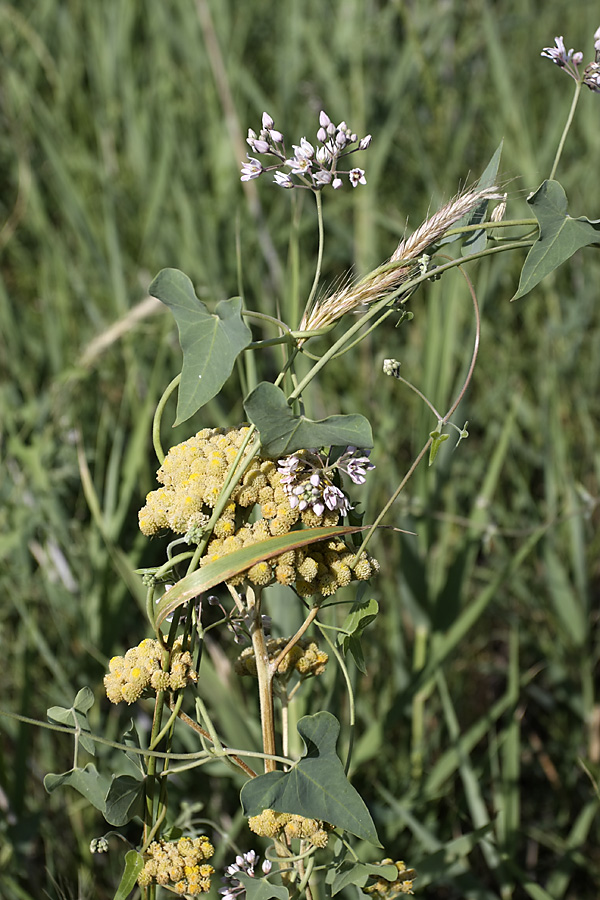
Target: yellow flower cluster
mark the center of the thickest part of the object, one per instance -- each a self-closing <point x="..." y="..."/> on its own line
<point x="285" y="825"/>
<point x="388" y="890"/>
<point x="180" y="864"/>
<point x="193" y="474"/>
<point x="304" y="658"/>
<point x="141" y="669"/>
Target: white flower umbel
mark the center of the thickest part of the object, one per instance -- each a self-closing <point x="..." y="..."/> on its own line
<point x="233" y="887"/>
<point x="310" y="166"/>
<point x="307" y="479"/>
<point x="570" y="60"/>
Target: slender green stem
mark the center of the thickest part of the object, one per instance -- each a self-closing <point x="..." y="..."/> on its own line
<point x="351" y="701"/>
<point x="160" y="455"/>
<point x="392" y="499"/>
<point x="405" y="288"/>
<point x="171" y="720"/>
<point x="151" y="767"/>
<point x="317" y="277"/>
<point x="566" y="129"/>
<point x="294" y="640"/>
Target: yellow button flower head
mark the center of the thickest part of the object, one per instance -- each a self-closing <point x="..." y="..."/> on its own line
<point x="141" y="670"/>
<point x="272" y="499"/>
<point x="389" y="890"/>
<point x="276" y="825"/>
<point x="179" y="864"/>
<point x="305" y="658"/>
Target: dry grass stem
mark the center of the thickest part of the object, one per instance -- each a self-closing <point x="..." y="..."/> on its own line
<point x="382" y="281"/>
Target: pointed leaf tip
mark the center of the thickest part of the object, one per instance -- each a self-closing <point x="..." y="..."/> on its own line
<point x="211" y="342"/>
<point x="282" y="432"/>
<point x="316" y="787"/>
<point x="560" y="236"/>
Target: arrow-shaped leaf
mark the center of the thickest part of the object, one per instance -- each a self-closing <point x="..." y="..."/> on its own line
<point x="282" y="432"/>
<point x="560" y="235"/>
<point x="210" y="342"/>
<point x="124" y="800"/>
<point x="316" y="787"/>
<point x="220" y="570"/>
<point x="261" y="888"/>
<point x="352" y="872"/>
<point x="87" y="781"/>
<point x="76" y="717"/>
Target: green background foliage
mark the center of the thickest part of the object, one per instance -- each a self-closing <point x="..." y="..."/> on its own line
<point x="121" y="132"/>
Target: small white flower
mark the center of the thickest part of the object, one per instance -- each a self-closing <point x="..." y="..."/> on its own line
<point x="299" y="164"/>
<point x="258" y="145"/>
<point x="336" y="183"/>
<point x="324" y="119"/>
<point x="557" y="54"/>
<point x="391" y="367"/>
<point x="357" y="176"/>
<point x="591" y="77"/>
<point x="336" y="499"/>
<point x="283" y="180"/>
<point x="322" y="177"/>
<point x="251" y="169"/>
<point x="267" y="121"/>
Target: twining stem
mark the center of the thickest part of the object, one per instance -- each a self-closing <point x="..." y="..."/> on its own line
<point x="265" y="677"/>
<point x="566" y="129"/>
<point x="349" y="690"/>
<point x="158" y="449"/>
<point x="294" y="640"/>
<point x="393" y="498"/>
<point x="151" y="766"/>
<point x="443" y="420"/>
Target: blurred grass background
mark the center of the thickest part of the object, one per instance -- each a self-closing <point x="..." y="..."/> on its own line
<point x="122" y="127"/>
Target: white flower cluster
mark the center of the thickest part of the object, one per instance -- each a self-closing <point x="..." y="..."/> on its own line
<point x="309" y="167"/>
<point x="569" y="60"/>
<point x="307" y="479"/>
<point x="246" y="863"/>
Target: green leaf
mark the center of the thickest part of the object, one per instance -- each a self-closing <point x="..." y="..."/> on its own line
<point x="76" y="717"/>
<point x="210" y="342"/>
<point x="361" y="615"/>
<point x="560" y="235"/>
<point x="124" y="800"/>
<point x="261" y="888"/>
<point x="351" y="872"/>
<point x="437" y="440"/>
<point x="475" y="241"/>
<point x="220" y="570"/>
<point x="87" y="781"/>
<point x="282" y="432"/>
<point x="132" y="739"/>
<point x="134" y="863"/>
<point x="316" y="787"/>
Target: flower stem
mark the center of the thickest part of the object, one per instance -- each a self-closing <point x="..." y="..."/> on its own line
<point x="160" y="455"/>
<point x="566" y="129"/>
<point x="317" y="277"/>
